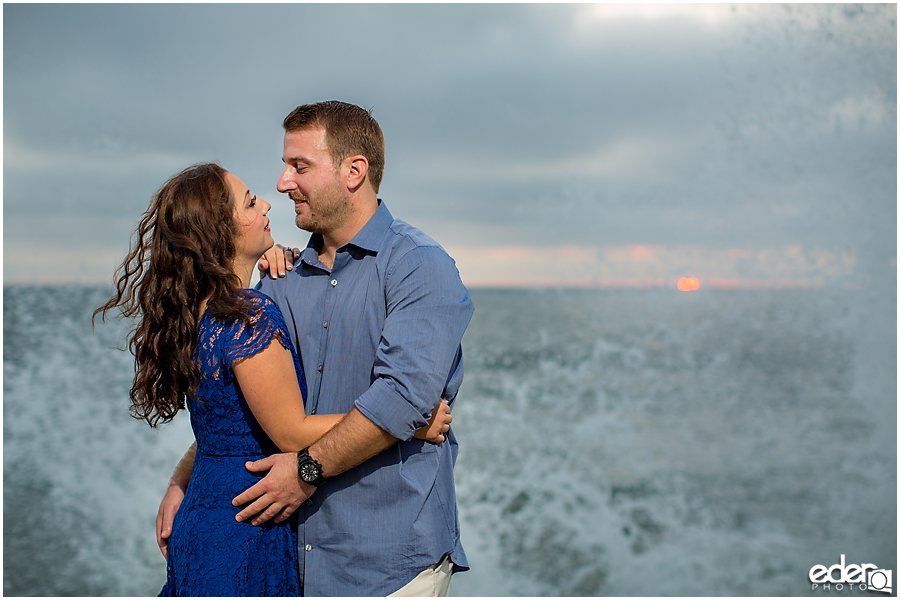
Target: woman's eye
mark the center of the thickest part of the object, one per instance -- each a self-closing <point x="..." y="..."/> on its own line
<point x="253" y="201"/>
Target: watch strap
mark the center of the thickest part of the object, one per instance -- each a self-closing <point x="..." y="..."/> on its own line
<point x="308" y="469"/>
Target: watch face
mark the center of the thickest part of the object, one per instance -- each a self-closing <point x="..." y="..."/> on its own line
<point x="309" y="472"/>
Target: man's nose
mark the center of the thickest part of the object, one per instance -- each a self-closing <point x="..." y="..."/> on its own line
<point x="285" y="184"/>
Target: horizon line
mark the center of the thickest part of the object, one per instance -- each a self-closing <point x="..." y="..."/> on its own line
<point x="719" y="284"/>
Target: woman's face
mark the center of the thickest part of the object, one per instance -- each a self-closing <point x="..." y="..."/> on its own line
<point x="250" y="212"/>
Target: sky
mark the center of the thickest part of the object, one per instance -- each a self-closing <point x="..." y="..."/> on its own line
<point x="577" y="145"/>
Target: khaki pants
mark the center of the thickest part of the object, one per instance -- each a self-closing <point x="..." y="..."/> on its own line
<point x="430" y="583"/>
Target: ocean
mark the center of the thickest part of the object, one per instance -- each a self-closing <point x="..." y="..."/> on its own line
<point x="612" y="442"/>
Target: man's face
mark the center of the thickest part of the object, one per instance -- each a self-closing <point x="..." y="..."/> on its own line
<point x="312" y="182"/>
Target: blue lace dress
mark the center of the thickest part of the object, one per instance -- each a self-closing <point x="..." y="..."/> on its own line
<point x="211" y="554"/>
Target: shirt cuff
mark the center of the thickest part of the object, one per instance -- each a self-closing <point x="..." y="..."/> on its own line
<point x="385" y="407"/>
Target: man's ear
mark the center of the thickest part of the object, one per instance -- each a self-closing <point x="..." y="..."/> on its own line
<point x="357" y="167"/>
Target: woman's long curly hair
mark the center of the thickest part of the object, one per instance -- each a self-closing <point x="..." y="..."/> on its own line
<point x="182" y="253"/>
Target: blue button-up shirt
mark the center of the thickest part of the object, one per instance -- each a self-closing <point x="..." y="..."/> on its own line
<point x="381" y="331"/>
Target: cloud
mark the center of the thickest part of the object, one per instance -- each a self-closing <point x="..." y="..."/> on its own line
<point x="627" y="158"/>
<point x="109" y="159"/>
<point x="581" y="126"/>
<point x="706" y="14"/>
<point x="649" y="266"/>
<point x="864" y="111"/>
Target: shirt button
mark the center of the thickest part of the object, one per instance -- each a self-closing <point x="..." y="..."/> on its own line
<point x="308" y="547"/>
<point x="325" y="324"/>
<point x="319" y="369"/>
<point x="333" y="282"/>
<point x="309" y="502"/>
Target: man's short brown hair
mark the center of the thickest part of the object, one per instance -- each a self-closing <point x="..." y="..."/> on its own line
<point x="349" y="130"/>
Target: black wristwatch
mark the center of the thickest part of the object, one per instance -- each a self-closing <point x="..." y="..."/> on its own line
<point x="308" y="469"/>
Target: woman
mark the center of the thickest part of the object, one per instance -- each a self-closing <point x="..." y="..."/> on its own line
<point x="203" y="337"/>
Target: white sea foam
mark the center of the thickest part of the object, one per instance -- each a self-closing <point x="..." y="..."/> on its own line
<point x="612" y="443"/>
<point x="650" y="443"/>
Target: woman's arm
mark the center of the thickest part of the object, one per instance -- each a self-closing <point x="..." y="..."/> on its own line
<point x="269" y="383"/>
<point x="276" y="260"/>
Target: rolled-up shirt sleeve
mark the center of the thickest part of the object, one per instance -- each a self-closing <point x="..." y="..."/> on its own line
<point x="427" y="311"/>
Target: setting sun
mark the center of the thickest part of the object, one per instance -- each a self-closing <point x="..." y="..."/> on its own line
<point x="688" y="284"/>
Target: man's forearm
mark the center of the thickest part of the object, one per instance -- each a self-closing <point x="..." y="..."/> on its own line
<point x="182" y="475"/>
<point x="351" y="442"/>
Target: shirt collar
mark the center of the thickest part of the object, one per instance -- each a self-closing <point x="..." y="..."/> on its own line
<point x="371" y="235"/>
<point x="368" y="238"/>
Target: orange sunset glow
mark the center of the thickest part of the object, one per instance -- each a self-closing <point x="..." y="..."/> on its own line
<point x="688" y="284"/>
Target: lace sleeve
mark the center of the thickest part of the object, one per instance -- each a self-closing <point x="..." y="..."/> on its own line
<point x="266" y="323"/>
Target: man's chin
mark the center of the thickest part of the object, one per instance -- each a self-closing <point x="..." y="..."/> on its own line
<point x="305" y="225"/>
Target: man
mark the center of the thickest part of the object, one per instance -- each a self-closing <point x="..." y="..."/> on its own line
<point x="377" y="311"/>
